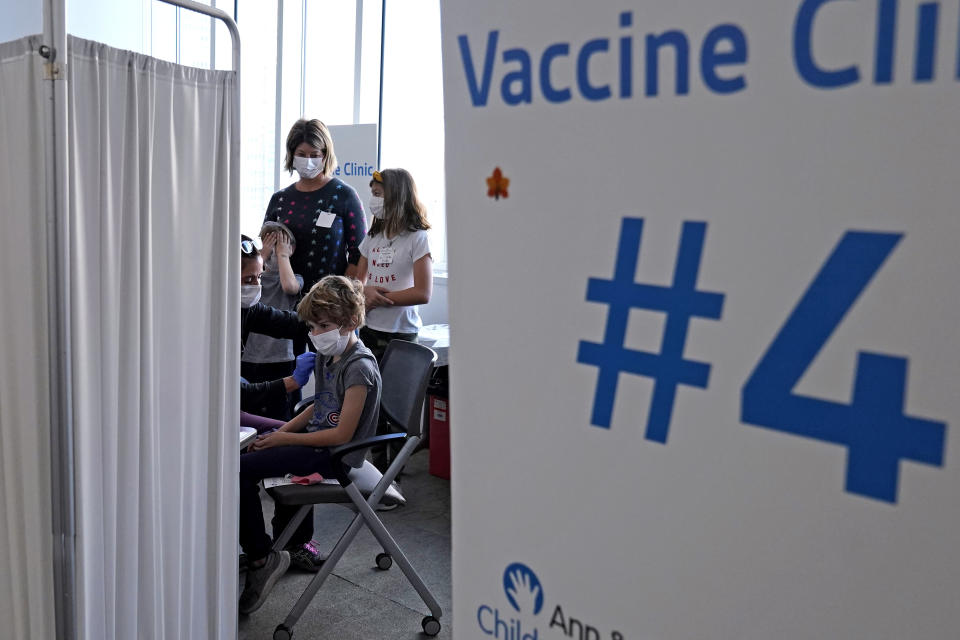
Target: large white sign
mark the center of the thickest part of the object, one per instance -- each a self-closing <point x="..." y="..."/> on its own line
<point x="356" y="147"/>
<point x="704" y="307"/>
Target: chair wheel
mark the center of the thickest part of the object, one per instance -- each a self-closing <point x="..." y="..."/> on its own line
<point x="384" y="561"/>
<point x="431" y="626"/>
<point x="282" y="633"/>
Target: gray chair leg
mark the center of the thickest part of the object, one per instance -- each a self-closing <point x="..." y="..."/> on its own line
<point x="338" y="550"/>
<point x="365" y="515"/>
<point x="390" y="545"/>
<point x="280" y="543"/>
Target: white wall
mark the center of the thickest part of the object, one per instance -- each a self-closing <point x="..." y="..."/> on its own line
<point x="436" y="311"/>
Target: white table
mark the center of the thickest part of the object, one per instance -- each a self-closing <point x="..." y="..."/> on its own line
<point x="437" y="337"/>
<point x="247" y="435"/>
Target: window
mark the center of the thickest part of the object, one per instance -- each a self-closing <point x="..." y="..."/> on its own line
<point x="323" y="45"/>
<point x="257" y="22"/>
<point x="328" y="54"/>
<point x="318" y="50"/>
<point x="412" y="128"/>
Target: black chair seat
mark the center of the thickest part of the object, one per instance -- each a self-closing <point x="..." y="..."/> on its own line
<point x="298" y="495"/>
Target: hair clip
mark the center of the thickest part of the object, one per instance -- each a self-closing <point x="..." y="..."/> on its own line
<point x="377" y="177"/>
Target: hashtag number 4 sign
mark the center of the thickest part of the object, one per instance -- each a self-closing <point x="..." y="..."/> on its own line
<point x="873" y="426"/>
<point x="680" y="302"/>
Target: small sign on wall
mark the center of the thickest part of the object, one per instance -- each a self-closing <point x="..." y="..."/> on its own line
<point x="356" y="149"/>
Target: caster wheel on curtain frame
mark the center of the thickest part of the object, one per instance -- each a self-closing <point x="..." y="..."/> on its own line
<point x="431" y="626"/>
<point x="282" y="633"/>
<point x="384" y="561"/>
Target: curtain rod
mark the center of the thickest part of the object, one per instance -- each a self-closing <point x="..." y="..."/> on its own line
<point x="218" y="15"/>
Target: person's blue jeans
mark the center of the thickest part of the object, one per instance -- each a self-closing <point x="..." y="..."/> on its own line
<point x="272" y="463"/>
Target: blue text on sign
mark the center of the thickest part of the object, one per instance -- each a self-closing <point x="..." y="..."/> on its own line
<point x="563" y="69"/>
<point x="873" y="426"/>
<point x="680" y="302"/>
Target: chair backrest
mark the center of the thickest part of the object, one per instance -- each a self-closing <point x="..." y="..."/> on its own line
<point x="405" y="370"/>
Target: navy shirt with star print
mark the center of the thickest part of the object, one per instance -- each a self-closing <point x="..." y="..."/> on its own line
<point x="321" y="251"/>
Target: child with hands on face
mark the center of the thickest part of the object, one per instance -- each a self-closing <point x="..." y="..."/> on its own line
<point x="264" y="357"/>
<point x="278" y="247"/>
<point x="258" y="321"/>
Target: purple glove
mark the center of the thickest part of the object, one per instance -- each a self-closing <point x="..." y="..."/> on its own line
<point x="305" y="364"/>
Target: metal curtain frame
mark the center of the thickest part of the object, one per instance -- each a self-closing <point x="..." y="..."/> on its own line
<point x="63" y="486"/>
<point x="56" y="222"/>
<point x="231" y="27"/>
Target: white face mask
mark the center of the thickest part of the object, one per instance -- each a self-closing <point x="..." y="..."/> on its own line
<point x="330" y="343"/>
<point x="308" y="167"/>
<point x="376" y="206"/>
<point x="249" y="295"/>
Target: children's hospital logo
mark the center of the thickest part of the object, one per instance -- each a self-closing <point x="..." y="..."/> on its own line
<point x="523" y="588"/>
<point x="523" y="593"/>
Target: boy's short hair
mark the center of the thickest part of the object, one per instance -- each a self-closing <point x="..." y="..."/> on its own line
<point x="271" y="226"/>
<point x="335" y="298"/>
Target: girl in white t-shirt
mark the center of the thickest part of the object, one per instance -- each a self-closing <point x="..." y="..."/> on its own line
<point x="395" y="265"/>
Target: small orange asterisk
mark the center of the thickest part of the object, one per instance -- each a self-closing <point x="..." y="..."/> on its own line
<point x="497" y="185"/>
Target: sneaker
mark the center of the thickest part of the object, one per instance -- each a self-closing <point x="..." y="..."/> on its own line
<point x="260" y="580"/>
<point x="307" y="557"/>
<point x="392" y="498"/>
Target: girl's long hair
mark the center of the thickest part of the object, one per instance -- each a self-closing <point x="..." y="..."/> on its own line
<point x="402" y="209"/>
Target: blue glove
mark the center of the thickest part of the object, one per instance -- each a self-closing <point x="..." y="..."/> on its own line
<point x="305" y="364"/>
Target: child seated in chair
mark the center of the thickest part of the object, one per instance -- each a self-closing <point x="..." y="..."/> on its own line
<point x="344" y="409"/>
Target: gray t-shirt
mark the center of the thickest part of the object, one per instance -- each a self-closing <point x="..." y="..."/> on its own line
<point x="356" y="367"/>
<point x="260" y="348"/>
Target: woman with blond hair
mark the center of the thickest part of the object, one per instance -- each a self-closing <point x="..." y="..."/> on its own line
<point x="323" y="212"/>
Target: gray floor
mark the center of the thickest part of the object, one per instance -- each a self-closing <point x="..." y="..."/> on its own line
<point x="359" y="601"/>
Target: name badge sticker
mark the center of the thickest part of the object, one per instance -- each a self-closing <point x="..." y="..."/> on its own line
<point x="386" y="256"/>
<point x="325" y="219"/>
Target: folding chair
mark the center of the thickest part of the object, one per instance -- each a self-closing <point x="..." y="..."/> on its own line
<point x="405" y="371"/>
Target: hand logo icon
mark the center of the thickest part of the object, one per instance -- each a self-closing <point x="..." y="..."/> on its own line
<point x="523" y="588"/>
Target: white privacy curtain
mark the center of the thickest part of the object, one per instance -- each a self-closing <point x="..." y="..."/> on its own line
<point x="26" y="544"/>
<point x="154" y="275"/>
